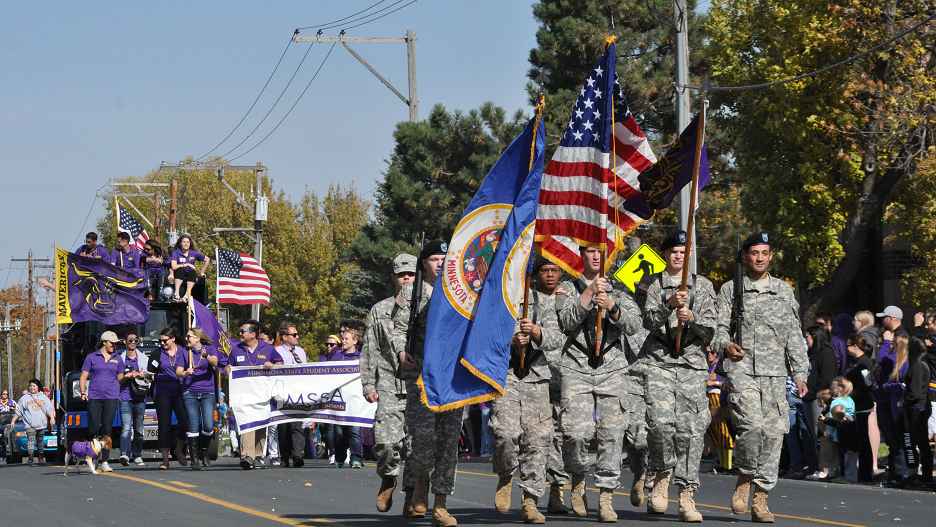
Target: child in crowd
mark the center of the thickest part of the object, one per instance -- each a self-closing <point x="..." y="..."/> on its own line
<point x="828" y="448"/>
<point x="845" y="431"/>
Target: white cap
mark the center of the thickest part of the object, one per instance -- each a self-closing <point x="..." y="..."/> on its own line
<point x="110" y="336"/>
<point x="892" y="311"/>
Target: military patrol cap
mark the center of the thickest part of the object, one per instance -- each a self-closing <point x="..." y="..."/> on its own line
<point x="761" y="238"/>
<point x="675" y="238"/>
<point x="404" y="263"/>
<point x="434" y="247"/>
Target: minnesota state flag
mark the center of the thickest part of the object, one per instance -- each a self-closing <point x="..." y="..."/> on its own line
<point x="473" y="308"/>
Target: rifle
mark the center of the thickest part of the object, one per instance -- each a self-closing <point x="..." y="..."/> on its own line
<point x="414" y="309"/>
<point x="737" y="306"/>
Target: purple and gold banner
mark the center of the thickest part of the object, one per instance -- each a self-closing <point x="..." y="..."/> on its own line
<point x="92" y="289"/>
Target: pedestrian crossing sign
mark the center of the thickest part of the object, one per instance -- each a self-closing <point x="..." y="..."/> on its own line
<point x="642" y="263"/>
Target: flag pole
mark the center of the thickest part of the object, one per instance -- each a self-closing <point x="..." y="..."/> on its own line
<point x="526" y="274"/>
<point x="692" y="206"/>
<point x="58" y="339"/>
<point x="526" y="305"/>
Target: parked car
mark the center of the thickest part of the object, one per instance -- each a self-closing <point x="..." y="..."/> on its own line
<point x="5" y="419"/>
<point x="15" y="440"/>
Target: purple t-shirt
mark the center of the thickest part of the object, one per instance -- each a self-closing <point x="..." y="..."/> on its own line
<point x="166" y="381"/>
<point x="102" y="375"/>
<point x="203" y="380"/>
<point x="126" y="394"/>
<point x="241" y="356"/>
<point x="129" y="259"/>
<point x="151" y="265"/>
<point x="342" y="355"/>
<point x="189" y="257"/>
<point x="98" y="252"/>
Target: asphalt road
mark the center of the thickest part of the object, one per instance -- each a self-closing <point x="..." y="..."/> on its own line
<point x="321" y="495"/>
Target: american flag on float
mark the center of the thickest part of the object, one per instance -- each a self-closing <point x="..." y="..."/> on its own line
<point x="592" y="172"/>
<point x="127" y="223"/>
<point x="241" y="280"/>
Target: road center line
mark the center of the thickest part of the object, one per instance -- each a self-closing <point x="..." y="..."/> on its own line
<point x="180" y="484"/>
<point x="816" y="520"/>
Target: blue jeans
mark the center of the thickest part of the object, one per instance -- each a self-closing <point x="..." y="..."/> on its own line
<point x="487" y="442"/>
<point x="131" y="424"/>
<point x="199" y="403"/>
<point x="343" y="438"/>
<point x="800" y="440"/>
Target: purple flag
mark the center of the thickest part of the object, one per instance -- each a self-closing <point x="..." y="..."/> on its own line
<point x="205" y="319"/>
<point x="93" y="289"/>
<point x="661" y="182"/>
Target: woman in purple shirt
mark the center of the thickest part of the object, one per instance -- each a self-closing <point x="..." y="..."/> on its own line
<point x="198" y="385"/>
<point x="167" y="394"/>
<point x="104" y="369"/>
<point x="183" y="265"/>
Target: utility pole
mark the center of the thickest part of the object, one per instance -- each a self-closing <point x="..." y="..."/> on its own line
<point x="683" y="110"/>
<point x="156" y="197"/>
<point x="410" y="41"/>
<point x="9" y="329"/>
<point x="31" y="306"/>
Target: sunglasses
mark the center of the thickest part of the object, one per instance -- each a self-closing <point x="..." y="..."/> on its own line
<point x="133" y="341"/>
<point x="165" y="340"/>
<point x="290" y="334"/>
<point x="244" y="331"/>
<point x="330" y="344"/>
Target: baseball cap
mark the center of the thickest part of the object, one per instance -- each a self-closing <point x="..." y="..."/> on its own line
<point x="404" y="263"/>
<point x="892" y="311"/>
<point x="110" y="336"/>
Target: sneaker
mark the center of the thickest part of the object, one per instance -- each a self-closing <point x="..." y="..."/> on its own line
<point x="339" y="464"/>
<point x="175" y="297"/>
<point x="105" y="467"/>
<point x="259" y="462"/>
<point x="818" y="476"/>
<point x="357" y="464"/>
<point x="247" y="463"/>
<point x="794" y="475"/>
<point x="124" y="460"/>
<point x="331" y="459"/>
<point x="275" y="461"/>
<point x="297" y="461"/>
<point x="139" y="461"/>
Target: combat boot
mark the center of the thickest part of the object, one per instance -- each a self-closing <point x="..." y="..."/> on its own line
<point x="637" y="490"/>
<point x="606" y="512"/>
<point x="759" y="512"/>
<point x="408" y="505"/>
<point x="440" y="515"/>
<point x="502" y="495"/>
<point x="579" y="501"/>
<point x="687" y="509"/>
<point x="742" y="492"/>
<point x="421" y="497"/>
<point x="556" y="504"/>
<point x="530" y="513"/>
<point x="385" y="494"/>
<point x="659" y="496"/>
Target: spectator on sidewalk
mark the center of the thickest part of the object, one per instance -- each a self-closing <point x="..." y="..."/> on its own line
<point x="917" y="410"/>
<point x="892" y="366"/>
<point x="842" y="329"/>
<point x="37" y="413"/>
<point x="860" y="373"/>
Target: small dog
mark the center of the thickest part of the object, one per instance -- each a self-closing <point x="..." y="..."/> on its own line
<point x="88" y="450"/>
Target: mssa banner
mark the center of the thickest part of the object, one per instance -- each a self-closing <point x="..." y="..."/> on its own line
<point x="326" y="392"/>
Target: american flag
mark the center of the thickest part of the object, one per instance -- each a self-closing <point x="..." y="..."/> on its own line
<point x="127" y="223"/>
<point x="241" y="280"/>
<point x="592" y="172"/>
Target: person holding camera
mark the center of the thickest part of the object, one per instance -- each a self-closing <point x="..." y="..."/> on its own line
<point x="132" y="402"/>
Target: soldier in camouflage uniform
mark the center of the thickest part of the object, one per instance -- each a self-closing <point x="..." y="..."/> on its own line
<point x="521" y="419"/>
<point x="378" y="377"/>
<point x="594" y="384"/>
<point x="435" y="435"/>
<point x="772" y="348"/>
<point x="677" y="406"/>
<point x="635" y="436"/>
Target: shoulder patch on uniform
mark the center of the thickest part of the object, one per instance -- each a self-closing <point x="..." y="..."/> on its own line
<point x="562" y="290"/>
<point x="400" y="300"/>
<point x="367" y="320"/>
<point x="644" y="287"/>
<point x="718" y="300"/>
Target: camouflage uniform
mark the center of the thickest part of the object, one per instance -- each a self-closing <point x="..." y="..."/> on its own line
<point x="435" y="435"/>
<point x="521" y="420"/>
<point x="555" y="467"/>
<point x="378" y="374"/>
<point x="593" y="388"/>
<point x="635" y="436"/>
<point x="677" y="405"/>
<point x="774" y="348"/>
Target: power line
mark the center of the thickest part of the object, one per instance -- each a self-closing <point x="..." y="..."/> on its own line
<point x="293" y="106"/>
<point x="345" y="18"/>
<point x="252" y="105"/>
<point x="365" y="16"/>
<point x="89" y="213"/>
<point x="274" y="104"/>
<point x="819" y="71"/>
<point x="383" y="15"/>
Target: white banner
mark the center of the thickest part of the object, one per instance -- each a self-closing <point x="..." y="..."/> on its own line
<point x="328" y="392"/>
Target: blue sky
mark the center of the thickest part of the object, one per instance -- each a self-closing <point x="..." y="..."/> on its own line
<point x="96" y="90"/>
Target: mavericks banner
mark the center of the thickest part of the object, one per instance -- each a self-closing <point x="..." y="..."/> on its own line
<point x="328" y="392"/>
<point x="92" y="289"/>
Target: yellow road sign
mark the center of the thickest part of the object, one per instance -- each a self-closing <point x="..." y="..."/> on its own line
<point x="642" y="263"/>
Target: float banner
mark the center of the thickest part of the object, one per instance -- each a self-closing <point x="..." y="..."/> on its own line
<point x="92" y="289"/>
<point x="326" y="392"/>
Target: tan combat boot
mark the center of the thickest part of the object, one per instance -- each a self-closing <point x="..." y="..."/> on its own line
<point x="408" y="505"/>
<point x="637" y="490"/>
<point x="579" y="501"/>
<point x="759" y="512"/>
<point x="440" y="515"/>
<point x="742" y="492"/>
<point x="385" y="494"/>
<point x="659" y="496"/>
<point x="530" y="513"/>
<point x="502" y="495"/>
<point x="606" y="512"/>
<point x="556" y="504"/>
<point x="687" y="510"/>
<point x="421" y="497"/>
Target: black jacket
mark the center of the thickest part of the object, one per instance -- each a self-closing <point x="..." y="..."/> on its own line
<point x="860" y="373"/>
<point x="822" y="367"/>
<point x="916" y="386"/>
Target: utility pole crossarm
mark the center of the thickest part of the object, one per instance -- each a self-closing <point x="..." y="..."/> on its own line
<point x="372" y="70"/>
<point x="374" y="40"/>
